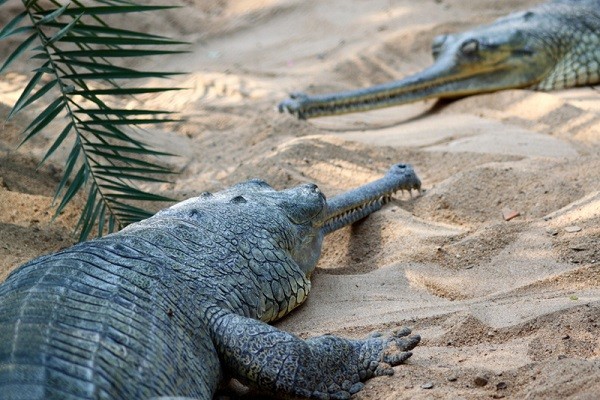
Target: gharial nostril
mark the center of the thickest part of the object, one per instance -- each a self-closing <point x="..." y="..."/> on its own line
<point x="313" y="188"/>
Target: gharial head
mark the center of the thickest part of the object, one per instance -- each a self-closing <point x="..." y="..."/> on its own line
<point x="547" y="47"/>
<point x="512" y="52"/>
<point x="298" y="218"/>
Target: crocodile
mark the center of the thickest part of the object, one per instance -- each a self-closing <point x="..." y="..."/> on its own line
<point x="552" y="46"/>
<point x="175" y="304"/>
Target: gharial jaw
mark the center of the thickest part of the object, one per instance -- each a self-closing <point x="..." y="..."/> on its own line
<point x="552" y="46"/>
<point x="354" y="205"/>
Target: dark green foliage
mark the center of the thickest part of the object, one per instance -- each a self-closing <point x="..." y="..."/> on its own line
<point x="75" y="52"/>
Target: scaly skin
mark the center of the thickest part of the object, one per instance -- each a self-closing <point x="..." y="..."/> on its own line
<point x="552" y="46"/>
<point x="172" y="304"/>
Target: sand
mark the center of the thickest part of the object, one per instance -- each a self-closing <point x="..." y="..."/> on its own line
<point x="505" y="308"/>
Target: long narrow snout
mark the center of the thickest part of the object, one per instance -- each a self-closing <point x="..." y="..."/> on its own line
<point x="352" y="206"/>
<point x="443" y="79"/>
<point x="423" y="85"/>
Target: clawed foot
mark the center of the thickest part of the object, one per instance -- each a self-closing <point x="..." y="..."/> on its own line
<point x="380" y="353"/>
<point x="374" y="356"/>
<point x="294" y="105"/>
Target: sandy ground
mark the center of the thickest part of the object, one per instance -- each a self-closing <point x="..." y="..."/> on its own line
<point x="505" y="308"/>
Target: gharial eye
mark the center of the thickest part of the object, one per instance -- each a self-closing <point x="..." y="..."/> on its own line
<point x="470" y="47"/>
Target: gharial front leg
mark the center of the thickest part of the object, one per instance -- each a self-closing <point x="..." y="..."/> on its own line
<point x="324" y="367"/>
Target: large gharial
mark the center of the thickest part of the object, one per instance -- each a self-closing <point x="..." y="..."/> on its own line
<point x="551" y="46"/>
<point x="172" y="305"/>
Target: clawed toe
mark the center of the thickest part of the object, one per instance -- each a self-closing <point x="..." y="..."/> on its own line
<point x="401" y="332"/>
<point x="397" y="358"/>
<point x="409" y="343"/>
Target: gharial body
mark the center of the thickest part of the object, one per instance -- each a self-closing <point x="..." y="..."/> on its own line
<point x="171" y="305"/>
<point x="552" y="46"/>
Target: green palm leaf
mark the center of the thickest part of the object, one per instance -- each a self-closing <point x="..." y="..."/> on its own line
<point x="74" y="44"/>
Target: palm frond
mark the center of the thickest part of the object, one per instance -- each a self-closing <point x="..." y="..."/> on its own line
<point x="74" y="46"/>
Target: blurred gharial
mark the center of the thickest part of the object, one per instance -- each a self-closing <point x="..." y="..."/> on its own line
<point x="552" y="46"/>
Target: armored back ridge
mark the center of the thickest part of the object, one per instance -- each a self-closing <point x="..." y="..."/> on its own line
<point x="169" y="305"/>
<point x="552" y="46"/>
